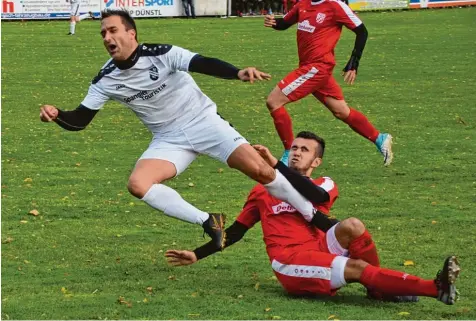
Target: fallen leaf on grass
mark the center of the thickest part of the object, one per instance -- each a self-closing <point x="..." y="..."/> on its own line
<point x="191" y="184"/>
<point x="149" y="289"/>
<point x="408" y="263"/>
<point x="28" y="180"/>
<point x="276" y="317"/>
<point x="404" y="313"/>
<point x="194" y="314"/>
<point x="122" y="300"/>
<point x="8" y="240"/>
<point x="267" y="309"/>
<point x="171" y="277"/>
<point x="240" y="296"/>
<point x="34" y="212"/>
<point x="257" y="286"/>
<point x="23" y="221"/>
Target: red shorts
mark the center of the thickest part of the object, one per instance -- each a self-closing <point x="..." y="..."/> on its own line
<point x="305" y="270"/>
<point x="310" y="79"/>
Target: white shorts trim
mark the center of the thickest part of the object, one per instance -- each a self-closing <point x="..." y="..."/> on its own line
<point x="337" y="272"/>
<point x="333" y="245"/>
<point x="299" y="81"/>
<point x="302" y="271"/>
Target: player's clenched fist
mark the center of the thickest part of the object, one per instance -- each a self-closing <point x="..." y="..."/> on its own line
<point x="269" y="21"/>
<point x="48" y="113"/>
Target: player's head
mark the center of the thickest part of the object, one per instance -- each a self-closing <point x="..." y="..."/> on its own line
<point x="306" y="152"/>
<point x="119" y="33"/>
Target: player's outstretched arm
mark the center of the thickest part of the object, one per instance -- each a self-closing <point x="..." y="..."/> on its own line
<point x="73" y="120"/>
<point x="350" y="69"/>
<point x="234" y="233"/>
<point x="222" y="69"/>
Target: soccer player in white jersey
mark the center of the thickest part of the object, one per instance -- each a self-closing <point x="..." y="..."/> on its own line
<point x="153" y="81"/>
<point x="75" y="16"/>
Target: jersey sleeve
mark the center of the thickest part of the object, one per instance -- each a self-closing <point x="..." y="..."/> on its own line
<point x="345" y="16"/>
<point x="178" y="58"/>
<point x="95" y="98"/>
<point x="331" y="188"/>
<point x="250" y="214"/>
<point x="292" y="16"/>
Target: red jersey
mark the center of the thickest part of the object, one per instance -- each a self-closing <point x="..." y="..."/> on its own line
<point x="319" y="28"/>
<point x="282" y="224"/>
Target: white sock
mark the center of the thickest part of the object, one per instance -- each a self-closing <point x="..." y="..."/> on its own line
<point x="170" y="202"/>
<point x="282" y="189"/>
<point x="84" y="16"/>
<point x="72" y="26"/>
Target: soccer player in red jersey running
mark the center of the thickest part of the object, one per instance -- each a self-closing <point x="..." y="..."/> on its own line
<point x="319" y="25"/>
<point x="309" y="260"/>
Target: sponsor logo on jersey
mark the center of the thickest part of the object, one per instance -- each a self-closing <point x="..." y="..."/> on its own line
<point x="282" y="207"/>
<point x="320" y="17"/>
<point x="306" y="26"/>
<point x="144" y="94"/>
<point x="120" y="86"/>
<point x="154" y="73"/>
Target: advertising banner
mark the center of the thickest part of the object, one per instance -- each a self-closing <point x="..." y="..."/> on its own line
<point x="417" y="4"/>
<point x="45" y="9"/>
<point x="362" y="5"/>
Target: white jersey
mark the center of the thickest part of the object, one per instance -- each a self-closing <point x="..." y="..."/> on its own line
<point x="155" y="86"/>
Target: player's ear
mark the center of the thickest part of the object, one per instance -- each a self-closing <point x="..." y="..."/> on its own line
<point x="316" y="162"/>
<point x="133" y="33"/>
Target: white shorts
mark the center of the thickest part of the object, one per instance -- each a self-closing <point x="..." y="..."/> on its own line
<point x="74" y="9"/>
<point x="209" y="135"/>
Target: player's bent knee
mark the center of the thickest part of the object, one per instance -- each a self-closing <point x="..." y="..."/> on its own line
<point x="138" y="187"/>
<point x="353" y="227"/>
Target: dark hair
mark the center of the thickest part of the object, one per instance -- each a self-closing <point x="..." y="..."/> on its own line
<point x="126" y="18"/>
<point x="321" y="144"/>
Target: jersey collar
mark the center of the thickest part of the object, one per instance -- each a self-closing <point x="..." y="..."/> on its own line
<point x="316" y="2"/>
<point x="129" y="62"/>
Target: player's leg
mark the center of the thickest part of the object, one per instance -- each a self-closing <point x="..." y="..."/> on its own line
<point x="332" y="97"/>
<point x="282" y="121"/>
<point x="165" y="159"/>
<point x="396" y="283"/>
<point x="73" y="14"/>
<point x="296" y="85"/>
<point x="215" y="137"/>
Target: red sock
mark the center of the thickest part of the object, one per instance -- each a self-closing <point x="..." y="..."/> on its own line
<point x="364" y="248"/>
<point x="284" y="126"/>
<point x="361" y="125"/>
<point x="396" y="283"/>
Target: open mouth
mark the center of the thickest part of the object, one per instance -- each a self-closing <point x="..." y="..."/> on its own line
<point x="112" y="48"/>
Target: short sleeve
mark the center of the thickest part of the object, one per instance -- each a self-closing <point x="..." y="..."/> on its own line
<point x="345" y="16"/>
<point x="178" y="58"/>
<point x="95" y="98"/>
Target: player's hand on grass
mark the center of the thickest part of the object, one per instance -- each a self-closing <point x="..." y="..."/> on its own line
<point x="251" y="74"/>
<point x="178" y="258"/>
<point x="349" y="76"/>
<point x="266" y="154"/>
<point x="269" y="21"/>
<point x="48" y="113"/>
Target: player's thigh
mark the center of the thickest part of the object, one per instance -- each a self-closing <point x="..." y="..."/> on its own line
<point x="302" y="82"/>
<point x="305" y="272"/>
<point x="276" y="99"/>
<point x="332" y="97"/>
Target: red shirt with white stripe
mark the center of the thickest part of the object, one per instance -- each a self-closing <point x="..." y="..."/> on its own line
<point x="282" y="224"/>
<point x="319" y="28"/>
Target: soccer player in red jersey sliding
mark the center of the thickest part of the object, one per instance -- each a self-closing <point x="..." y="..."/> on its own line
<point x="323" y="255"/>
<point x="319" y="25"/>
